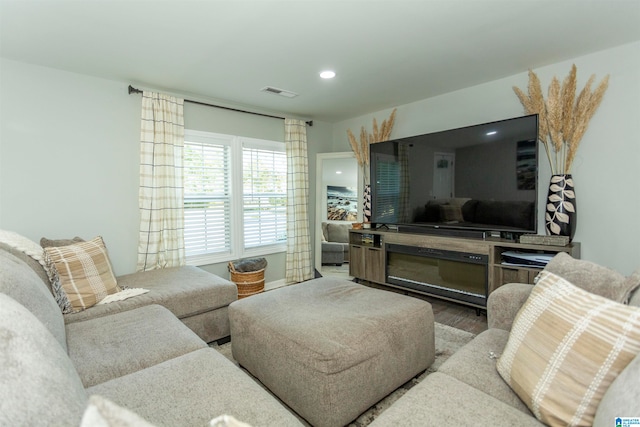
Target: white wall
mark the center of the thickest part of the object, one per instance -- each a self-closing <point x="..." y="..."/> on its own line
<point x="69" y="158"/>
<point x="607" y="167"/>
<point x="69" y="152"/>
<point x="69" y="155"/>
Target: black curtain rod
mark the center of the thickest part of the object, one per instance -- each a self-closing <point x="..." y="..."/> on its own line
<point x="309" y="122"/>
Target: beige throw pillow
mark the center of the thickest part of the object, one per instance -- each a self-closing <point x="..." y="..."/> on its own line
<point x="451" y="213"/>
<point x="565" y="348"/>
<point x="83" y="272"/>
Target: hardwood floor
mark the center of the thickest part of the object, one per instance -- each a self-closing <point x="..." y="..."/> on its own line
<point x="457" y="315"/>
<point x="449" y="313"/>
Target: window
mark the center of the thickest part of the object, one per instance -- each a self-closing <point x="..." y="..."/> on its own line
<point x="264" y="196"/>
<point x="235" y="197"/>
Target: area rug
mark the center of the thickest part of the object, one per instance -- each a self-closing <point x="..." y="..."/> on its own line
<point x="448" y="341"/>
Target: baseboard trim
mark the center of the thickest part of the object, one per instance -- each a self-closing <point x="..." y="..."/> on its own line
<point x="275" y="284"/>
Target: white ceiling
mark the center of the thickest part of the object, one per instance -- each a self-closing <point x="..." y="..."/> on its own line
<point x="340" y="170"/>
<point x="385" y="53"/>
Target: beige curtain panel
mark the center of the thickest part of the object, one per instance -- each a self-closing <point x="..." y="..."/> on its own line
<point x="161" y="195"/>
<point x="298" y="255"/>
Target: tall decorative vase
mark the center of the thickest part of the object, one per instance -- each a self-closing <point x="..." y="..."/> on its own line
<point x="560" y="217"/>
<point x="366" y="213"/>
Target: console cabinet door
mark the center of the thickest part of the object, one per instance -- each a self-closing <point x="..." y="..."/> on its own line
<point x="374" y="262"/>
<point x="367" y="263"/>
<point x="356" y="261"/>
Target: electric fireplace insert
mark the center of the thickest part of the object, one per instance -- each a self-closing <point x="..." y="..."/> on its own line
<point x="458" y="276"/>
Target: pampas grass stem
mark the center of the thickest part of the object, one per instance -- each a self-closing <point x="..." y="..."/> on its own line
<point x="563" y="119"/>
<point x="380" y="133"/>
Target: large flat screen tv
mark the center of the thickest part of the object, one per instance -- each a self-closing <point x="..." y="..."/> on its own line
<point x="480" y="178"/>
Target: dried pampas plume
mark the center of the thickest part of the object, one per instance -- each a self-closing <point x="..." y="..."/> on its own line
<point x="381" y="133"/>
<point x="562" y="118"/>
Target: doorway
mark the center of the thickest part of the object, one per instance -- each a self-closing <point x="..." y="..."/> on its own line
<point x="334" y="171"/>
<point x="443" y="175"/>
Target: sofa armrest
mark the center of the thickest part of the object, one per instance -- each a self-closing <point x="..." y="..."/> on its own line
<point x="622" y="396"/>
<point x="333" y="246"/>
<point x="504" y="303"/>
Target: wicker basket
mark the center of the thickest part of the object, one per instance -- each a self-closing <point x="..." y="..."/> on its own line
<point x="249" y="283"/>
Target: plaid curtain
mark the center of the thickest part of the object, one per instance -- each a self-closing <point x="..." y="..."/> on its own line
<point x="161" y="195"/>
<point x="298" y="255"/>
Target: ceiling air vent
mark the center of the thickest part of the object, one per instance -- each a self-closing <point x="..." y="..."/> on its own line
<point x="281" y="92"/>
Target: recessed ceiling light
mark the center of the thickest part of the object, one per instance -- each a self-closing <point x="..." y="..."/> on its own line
<point x="328" y="74"/>
<point x="493" y="132"/>
<point x="338" y="172"/>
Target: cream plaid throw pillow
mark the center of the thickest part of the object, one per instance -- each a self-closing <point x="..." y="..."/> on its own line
<point x="565" y="348"/>
<point x="81" y="271"/>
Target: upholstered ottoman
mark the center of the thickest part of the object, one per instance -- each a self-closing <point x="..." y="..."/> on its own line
<point x="330" y="348"/>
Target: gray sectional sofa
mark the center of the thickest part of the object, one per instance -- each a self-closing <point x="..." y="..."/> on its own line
<point x="196" y="297"/>
<point x="468" y="390"/>
<point x="335" y="242"/>
<point x="57" y="369"/>
<point x="136" y="353"/>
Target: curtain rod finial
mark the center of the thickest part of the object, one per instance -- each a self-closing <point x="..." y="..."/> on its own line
<point x="310" y="122"/>
<point x="133" y="90"/>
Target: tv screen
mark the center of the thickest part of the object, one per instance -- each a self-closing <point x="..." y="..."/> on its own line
<point x="482" y="177"/>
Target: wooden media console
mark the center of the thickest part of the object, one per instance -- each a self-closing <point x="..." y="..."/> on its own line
<point x="464" y="270"/>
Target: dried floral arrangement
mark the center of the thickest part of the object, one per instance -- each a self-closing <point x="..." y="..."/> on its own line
<point x="562" y="118"/>
<point x="361" y="149"/>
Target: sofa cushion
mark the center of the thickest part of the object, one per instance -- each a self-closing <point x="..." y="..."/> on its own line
<point x="441" y="400"/>
<point x="20" y="282"/>
<point x="338" y="232"/>
<point x="185" y="291"/>
<point x="84" y="273"/>
<point x="475" y="364"/>
<point x="110" y="347"/>
<point x="104" y="413"/>
<point x="504" y="303"/>
<point x="325" y="232"/>
<point x="192" y="389"/>
<point x="622" y="398"/>
<point x="28" y="256"/>
<point x="39" y="384"/>
<point x="565" y="348"/>
<point x="591" y="277"/>
<point x="633" y="282"/>
<point x="22" y="244"/>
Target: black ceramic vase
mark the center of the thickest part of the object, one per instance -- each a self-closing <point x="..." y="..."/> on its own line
<point x="560" y="217"/>
<point x="366" y="214"/>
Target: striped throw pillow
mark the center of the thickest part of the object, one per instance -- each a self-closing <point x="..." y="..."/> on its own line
<point x="82" y="272"/>
<point x="565" y="348"/>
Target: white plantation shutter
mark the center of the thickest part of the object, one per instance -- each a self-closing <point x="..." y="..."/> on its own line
<point x="207" y="201"/>
<point x="235" y="197"/>
<point x="264" y="194"/>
